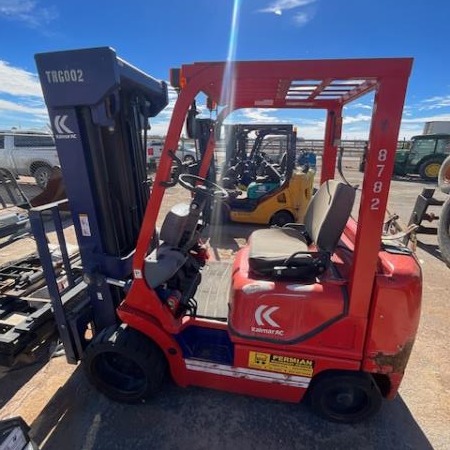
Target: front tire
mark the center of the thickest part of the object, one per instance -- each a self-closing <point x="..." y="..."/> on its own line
<point x="124" y="364"/>
<point x="345" y="397"/>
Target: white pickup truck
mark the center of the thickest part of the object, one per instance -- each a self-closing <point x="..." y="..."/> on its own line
<point x="185" y="152"/>
<point x="28" y="153"/>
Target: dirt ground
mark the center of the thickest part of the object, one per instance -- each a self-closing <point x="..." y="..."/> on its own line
<point x="66" y="413"/>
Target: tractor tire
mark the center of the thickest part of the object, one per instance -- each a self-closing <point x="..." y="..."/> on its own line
<point x="42" y="175"/>
<point x="124" y="364"/>
<point x="281" y="218"/>
<point x="444" y="232"/>
<point x="429" y="169"/>
<point x="344" y="396"/>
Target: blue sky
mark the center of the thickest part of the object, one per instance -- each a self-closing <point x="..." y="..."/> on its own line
<point x="156" y="35"/>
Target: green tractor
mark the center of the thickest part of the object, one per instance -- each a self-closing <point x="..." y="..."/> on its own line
<point x="424" y="156"/>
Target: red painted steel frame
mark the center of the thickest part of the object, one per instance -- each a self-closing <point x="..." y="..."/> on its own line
<point x="257" y="83"/>
<point x="274" y="84"/>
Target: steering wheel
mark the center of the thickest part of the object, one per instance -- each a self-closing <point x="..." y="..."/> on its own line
<point x="190" y="182"/>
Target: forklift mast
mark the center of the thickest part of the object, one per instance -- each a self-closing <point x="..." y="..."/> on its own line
<point x="99" y="106"/>
<point x="238" y="136"/>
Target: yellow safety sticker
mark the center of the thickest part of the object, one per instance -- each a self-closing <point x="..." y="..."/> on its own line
<point x="278" y="363"/>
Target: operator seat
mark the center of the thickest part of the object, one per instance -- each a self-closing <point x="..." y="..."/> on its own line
<point x="288" y="252"/>
<point x="233" y="175"/>
<point x="271" y="174"/>
<point x="177" y="232"/>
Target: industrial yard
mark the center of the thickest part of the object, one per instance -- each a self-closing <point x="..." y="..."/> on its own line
<point x="65" y="412"/>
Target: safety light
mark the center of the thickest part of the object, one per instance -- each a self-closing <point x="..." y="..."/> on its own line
<point x="177" y="80"/>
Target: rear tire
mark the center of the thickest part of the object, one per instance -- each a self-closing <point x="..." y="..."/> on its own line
<point x="124" y="364"/>
<point x="444" y="232"/>
<point x="429" y="169"/>
<point x="344" y="396"/>
<point x="281" y="218"/>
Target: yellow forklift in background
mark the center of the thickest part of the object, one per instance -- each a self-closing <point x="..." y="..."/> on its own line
<point x="260" y="174"/>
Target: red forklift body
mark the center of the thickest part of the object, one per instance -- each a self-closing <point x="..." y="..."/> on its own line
<point x="360" y="316"/>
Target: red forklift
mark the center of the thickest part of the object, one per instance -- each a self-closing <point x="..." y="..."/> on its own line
<point x="324" y="310"/>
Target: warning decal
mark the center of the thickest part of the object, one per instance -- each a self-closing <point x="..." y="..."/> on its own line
<point x="279" y="363"/>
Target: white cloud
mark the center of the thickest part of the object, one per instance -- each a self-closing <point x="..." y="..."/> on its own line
<point x="16" y="81"/>
<point x="254" y="115"/>
<point x="278" y="6"/>
<point x="28" y="12"/>
<point x="302" y="18"/>
<point x="21" y="100"/>
<point x="6" y="105"/>
<point x="357" y="118"/>
<point x="437" y="102"/>
<point x="410" y="129"/>
<point x="311" y="129"/>
<point x="422" y="120"/>
<point x="355" y="127"/>
<point x="358" y="105"/>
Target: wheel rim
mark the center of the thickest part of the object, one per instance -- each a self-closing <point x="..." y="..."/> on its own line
<point x="43" y="178"/>
<point x="432" y="170"/>
<point x="119" y="373"/>
<point x="346" y="402"/>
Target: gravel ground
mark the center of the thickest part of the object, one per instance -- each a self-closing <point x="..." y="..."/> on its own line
<point x="66" y="413"/>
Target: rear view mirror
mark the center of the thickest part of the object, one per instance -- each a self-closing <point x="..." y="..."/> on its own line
<point x="191" y="122"/>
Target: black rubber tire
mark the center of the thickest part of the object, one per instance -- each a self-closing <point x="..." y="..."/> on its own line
<point x="42" y="175"/>
<point x="444" y="232"/>
<point x="124" y="364"/>
<point x="425" y="167"/>
<point x="281" y="218"/>
<point x="344" y="396"/>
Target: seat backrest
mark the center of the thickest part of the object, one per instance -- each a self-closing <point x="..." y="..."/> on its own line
<point x="271" y="172"/>
<point x="327" y="214"/>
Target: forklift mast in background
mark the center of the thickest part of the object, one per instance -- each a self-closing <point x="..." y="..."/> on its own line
<point x="99" y="106"/>
<point x="240" y="146"/>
